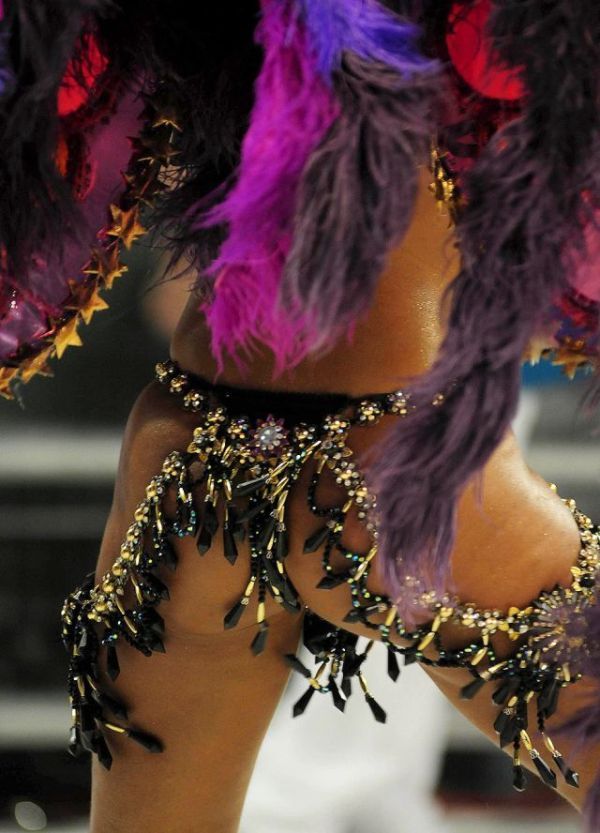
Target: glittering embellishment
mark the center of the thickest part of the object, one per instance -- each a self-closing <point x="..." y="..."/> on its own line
<point x="270" y="436"/>
<point x="240" y="492"/>
<point x="153" y="149"/>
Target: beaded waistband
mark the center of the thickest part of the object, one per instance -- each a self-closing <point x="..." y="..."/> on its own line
<point x="243" y="474"/>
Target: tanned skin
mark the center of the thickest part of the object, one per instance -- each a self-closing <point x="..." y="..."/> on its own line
<point x="208" y="697"/>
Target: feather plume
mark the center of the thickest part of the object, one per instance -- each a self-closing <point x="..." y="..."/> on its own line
<point x="293" y="109"/>
<point x="529" y="198"/>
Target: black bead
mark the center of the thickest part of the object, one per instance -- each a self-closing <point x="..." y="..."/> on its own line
<point x="519" y="778"/>
<point x="315" y="541"/>
<point x="229" y="545"/>
<point x="282" y="545"/>
<point x="393" y="666"/>
<point x="149" y="742"/>
<point x="469" y="691"/>
<point x="204" y="541"/>
<point x="302" y="703"/>
<point x="234" y="615"/>
<point x="260" y="640"/>
<point x="103" y="752"/>
<point x="353" y="616"/>
<point x="508" y="727"/>
<point x="154" y="642"/>
<point x="296" y="665"/>
<point x="378" y="712"/>
<point x="410" y="656"/>
<point x="547" y="775"/>
<point x="210" y="521"/>
<point x="571" y="777"/>
<point x="331" y="581"/>
<point x="338" y="701"/>
<point x="112" y="663"/>
<point x="548" y="698"/>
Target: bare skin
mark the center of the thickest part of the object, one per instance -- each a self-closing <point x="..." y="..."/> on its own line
<point x="208" y="698"/>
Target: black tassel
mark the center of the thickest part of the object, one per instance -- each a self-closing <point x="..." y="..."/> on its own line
<point x="229" y="545"/>
<point x="204" y="541"/>
<point x="315" y="541"/>
<point x="149" y="742"/>
<point x="393" y="666"/>
<point x="473" y="688"/>
<point x="338" y="700"/>
<point x="519" y="778"/>
<point x="260" y="640"/>
<point x="103" y="752"/>
<point x="571" y="777"/>
<point x="331" y="581"/>
<point x="301" y="705"/>
<point x="548" y="699"/>
<point x="296" y="665"/>
<point x="508" y="727"/>
<point x="378" y="712"/>
<point x="210" y="521"/>
<point x="234" y="615"/>
<point x="282" y="546"/>
<point x="547" y="775"/>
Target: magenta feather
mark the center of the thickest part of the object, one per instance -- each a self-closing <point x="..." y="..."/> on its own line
<point x="293" y="110"/>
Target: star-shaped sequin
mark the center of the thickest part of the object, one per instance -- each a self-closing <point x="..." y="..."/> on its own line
<point x="126" y="225"/>
<point x="68" y="337"/>
<point x="106" y="264"/>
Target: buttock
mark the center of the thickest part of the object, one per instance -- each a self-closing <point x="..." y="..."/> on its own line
<point x="255" y="484"/>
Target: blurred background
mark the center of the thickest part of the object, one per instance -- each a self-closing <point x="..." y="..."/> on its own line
<point x="58" y="453"/>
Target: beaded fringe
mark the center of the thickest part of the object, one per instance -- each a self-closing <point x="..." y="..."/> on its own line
<point x="245" y="473"/>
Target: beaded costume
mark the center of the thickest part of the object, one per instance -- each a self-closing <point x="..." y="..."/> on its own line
<point x="246" y="470"/>
<point x="276" y="144"/>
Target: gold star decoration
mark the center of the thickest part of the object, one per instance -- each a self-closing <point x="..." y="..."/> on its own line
<point x="68" y="337"/>
<point x="167" y="118"/>
<point x="94" y="304"/>
<point x="126" y="225"/>
<point x="159" y="150"/>
<point x="38" y="365"/>
<point x="106" y="264"/>
<point x="570" y="361"/>
<point x="7" y="376"/>
<point x="142" y="192"/>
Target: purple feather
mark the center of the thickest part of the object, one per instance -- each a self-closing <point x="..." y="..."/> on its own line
<point x="526" y="210"/>
<point x="358" y="190"/>
<point x="364" y="27"/>
<point x="293" y="110"/>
